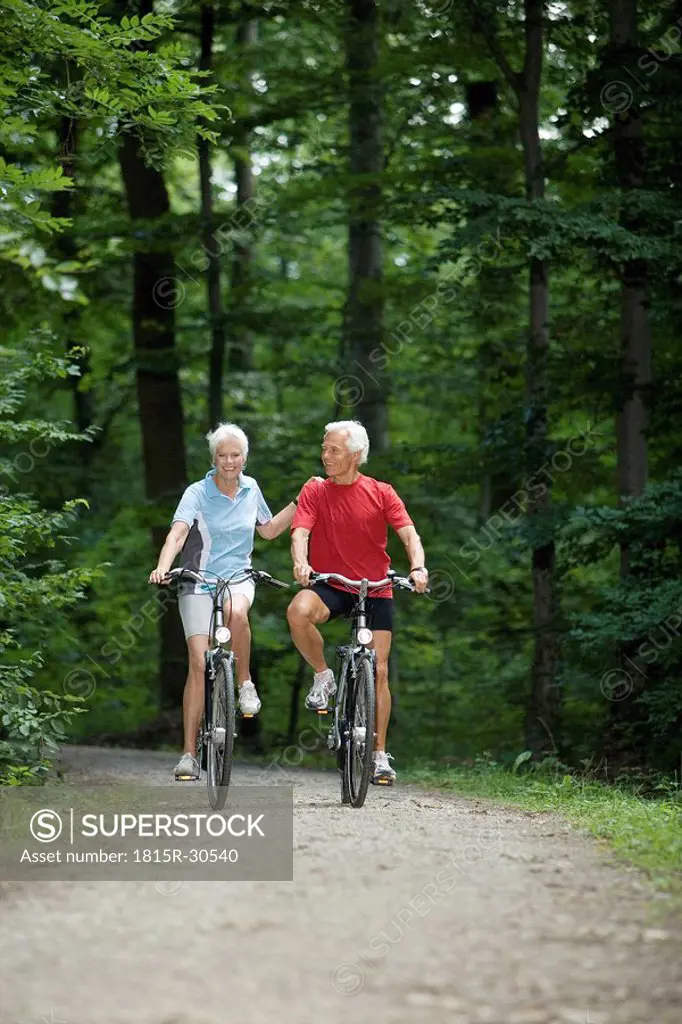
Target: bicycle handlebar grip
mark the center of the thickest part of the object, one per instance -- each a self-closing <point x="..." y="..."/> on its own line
<point x="170" y="575"/>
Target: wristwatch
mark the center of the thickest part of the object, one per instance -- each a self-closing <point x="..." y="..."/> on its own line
<point x="419" y="568"/>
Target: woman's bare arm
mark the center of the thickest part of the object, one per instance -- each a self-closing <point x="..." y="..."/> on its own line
<point x="177" y="535"/>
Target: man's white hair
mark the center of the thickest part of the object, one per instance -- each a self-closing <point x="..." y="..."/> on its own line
<point x="224" y="431"/>
<point x="358" y="440"/>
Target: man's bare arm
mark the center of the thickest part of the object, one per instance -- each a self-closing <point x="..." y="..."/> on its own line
<point x="299" y="554"/>
<point x="415" y="553"/>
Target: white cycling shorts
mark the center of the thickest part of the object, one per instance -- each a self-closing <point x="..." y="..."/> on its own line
<point x="196" y="609"/>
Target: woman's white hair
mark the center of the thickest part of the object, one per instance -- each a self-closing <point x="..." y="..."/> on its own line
<point x="224" y="431"/>
<point x="358" y="440"/>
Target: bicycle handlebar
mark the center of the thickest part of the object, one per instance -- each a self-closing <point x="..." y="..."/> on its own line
<point x="257" y="575"/>
<point x="404" y="582"/>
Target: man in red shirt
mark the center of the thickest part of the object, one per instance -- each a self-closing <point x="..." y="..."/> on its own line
<point x="340" y="526"/>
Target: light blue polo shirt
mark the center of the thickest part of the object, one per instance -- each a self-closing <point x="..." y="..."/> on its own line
<point x="221" y="531"/>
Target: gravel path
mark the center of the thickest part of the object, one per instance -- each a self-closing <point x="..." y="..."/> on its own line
<point x="417" y="908"/>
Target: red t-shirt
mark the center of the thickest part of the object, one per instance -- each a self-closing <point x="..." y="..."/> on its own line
<point x="348" y="527"/>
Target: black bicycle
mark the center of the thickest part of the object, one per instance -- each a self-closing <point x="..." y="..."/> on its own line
<point x="352" y="733"/>
<point x="217" y="731"/>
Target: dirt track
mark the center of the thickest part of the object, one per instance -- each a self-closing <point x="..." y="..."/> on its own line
<point x="530" y="924"/>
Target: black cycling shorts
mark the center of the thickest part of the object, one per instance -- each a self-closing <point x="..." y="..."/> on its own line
<point x="340" y="602"/>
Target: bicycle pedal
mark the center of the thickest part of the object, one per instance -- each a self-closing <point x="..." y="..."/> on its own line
<point x="185" y="778"/>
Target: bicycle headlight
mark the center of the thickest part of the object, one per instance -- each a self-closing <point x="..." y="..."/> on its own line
<point x="365" y="636"/>
<point x="222" y="634"/>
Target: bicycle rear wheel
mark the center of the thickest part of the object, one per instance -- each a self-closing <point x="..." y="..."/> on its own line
<point x="220" y="735"/>
<point x="360" y="745"/>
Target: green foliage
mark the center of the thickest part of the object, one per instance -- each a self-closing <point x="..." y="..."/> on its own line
<point x="37" y="586"/>
<point x="111" y="72"/>
<point x="32" y="721"/>
<point x="641" y="615"/>
<point x="521" y="758"/>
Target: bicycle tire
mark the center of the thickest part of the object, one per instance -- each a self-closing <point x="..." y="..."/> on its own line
<point x="201" y="744"/>
<point x="219" y="754"/>
<point x="341" y="712"/>
<point x="360" y="746"/>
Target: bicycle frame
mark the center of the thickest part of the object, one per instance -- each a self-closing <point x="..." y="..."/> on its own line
<point x="349" y="657"/>
<point x="218" y="651"/>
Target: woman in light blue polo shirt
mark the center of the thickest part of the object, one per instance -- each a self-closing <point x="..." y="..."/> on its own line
<point x="214" y="527"/>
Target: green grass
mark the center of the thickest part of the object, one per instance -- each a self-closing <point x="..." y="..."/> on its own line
<point x="646" y="831"/>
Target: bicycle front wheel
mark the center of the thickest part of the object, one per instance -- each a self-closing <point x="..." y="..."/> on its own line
<point x="220" y="735"/>
<point x="360" y="746"/>
<point x="341" y="717"/>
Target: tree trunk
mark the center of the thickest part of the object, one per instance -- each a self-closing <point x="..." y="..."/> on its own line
<point x="279" y="346"/>
<point x="626" y="718"/>
<point x="542" y="711"/>
<point x="294" y="703"/>
<point x="364" y="311"/>
<point x="158" y="386"/>
<point x="635" y="337"/>
<point x="241" y="344"/>
<point x="636" y="373"/>
<point x="543" y="705"/>
<point x="489" y="131"/>
<point x="211" y="250"/>
<point x="482" y="104"/>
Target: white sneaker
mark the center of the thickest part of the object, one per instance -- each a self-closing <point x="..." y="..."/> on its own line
<point x="187" y="768"/>
<point x="383" y="774"/>
<point x="322" y="689"/>
<point x="249" y="701"/>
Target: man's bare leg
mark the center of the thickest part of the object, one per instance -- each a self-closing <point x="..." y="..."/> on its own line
<point x="382" y="646"/>
<point x="304" y="614"/>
